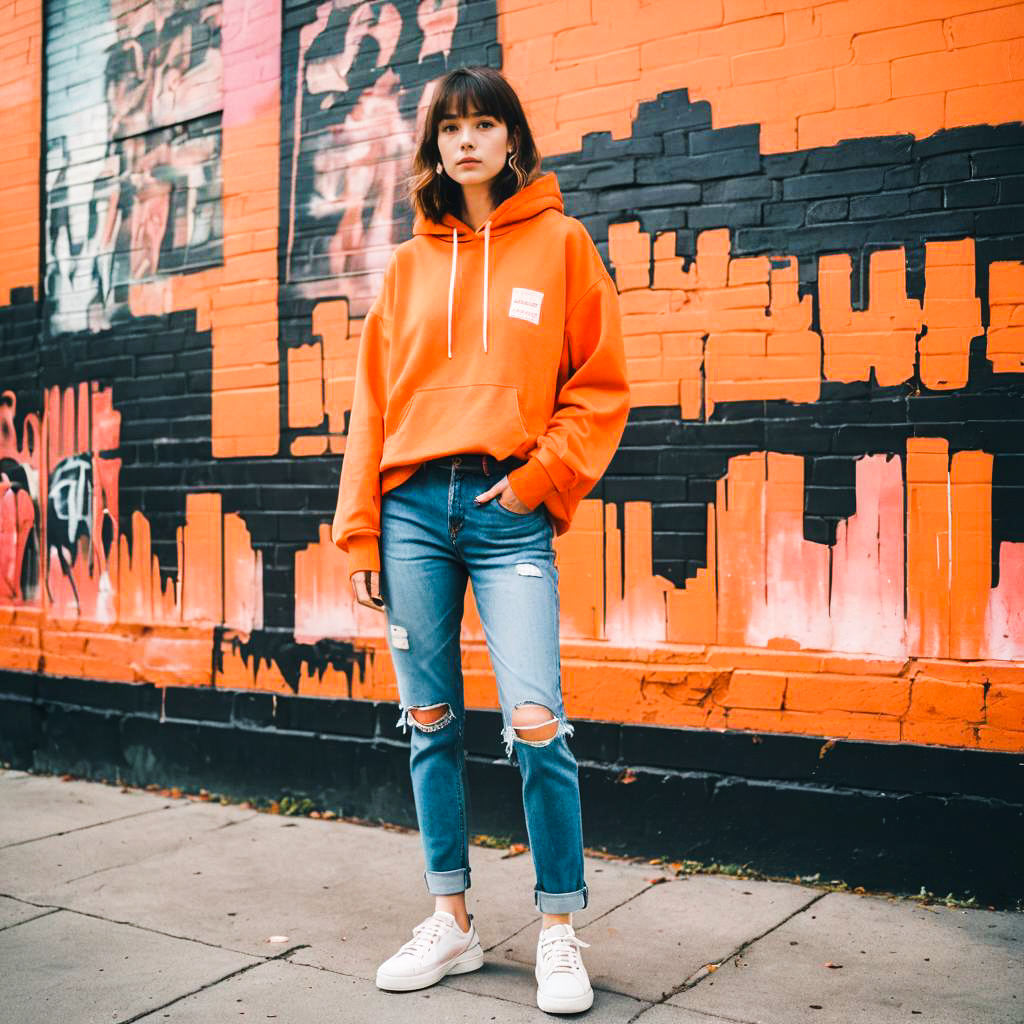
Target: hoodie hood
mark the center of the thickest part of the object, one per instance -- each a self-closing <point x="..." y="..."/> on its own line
<point x="542" y="194"/>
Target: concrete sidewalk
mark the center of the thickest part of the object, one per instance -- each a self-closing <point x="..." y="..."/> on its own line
<point x="123" y="905"/>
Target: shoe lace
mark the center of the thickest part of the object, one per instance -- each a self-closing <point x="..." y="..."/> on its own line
<point x="562" y="952"/>
<point x="425" y="934"/>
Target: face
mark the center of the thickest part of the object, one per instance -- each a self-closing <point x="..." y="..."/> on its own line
<point x="479" y="138"/>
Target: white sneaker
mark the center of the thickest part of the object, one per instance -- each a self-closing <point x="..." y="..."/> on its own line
<point x="563" y="985"/>
<point x="438" y="947"/>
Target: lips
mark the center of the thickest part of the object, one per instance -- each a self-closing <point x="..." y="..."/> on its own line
<point x="466" y="163"/>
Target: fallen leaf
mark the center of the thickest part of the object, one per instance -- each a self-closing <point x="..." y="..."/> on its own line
<point x="832" y="965"/>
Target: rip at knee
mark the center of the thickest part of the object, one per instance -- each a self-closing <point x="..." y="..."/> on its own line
<point x="535" y="726"/>
<point x="428" y="718"/>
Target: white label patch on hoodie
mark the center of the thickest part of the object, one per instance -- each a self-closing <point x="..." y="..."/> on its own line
<point x="525" y="304"/>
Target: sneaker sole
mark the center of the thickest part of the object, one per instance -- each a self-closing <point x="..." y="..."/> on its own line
<point x="566" y="1004"/>
<point x="471" y="959"/>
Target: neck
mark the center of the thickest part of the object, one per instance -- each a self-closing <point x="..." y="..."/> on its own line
<point x="476" y="201"/>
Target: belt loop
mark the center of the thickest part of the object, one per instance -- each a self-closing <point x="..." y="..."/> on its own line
<point x="487" y="471"/>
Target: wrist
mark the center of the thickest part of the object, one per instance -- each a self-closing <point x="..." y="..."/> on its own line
<point x="531" y="483"/>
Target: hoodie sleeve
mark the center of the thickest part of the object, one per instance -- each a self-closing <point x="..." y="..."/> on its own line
<point x="591" y="407"/>
<point x="356" y="526"/>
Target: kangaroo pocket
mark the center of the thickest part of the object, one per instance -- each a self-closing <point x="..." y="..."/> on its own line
<point x="463" y="418"/>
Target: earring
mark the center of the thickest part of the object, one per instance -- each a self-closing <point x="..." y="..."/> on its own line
<point x="439" y="168"/>
<point x="517" y="170"/>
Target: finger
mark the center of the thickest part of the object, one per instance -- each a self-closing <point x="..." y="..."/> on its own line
<point x="492" y="490"/>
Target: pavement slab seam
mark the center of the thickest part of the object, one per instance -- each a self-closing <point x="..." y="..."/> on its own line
<point x="708" y="969"/>
<point x="34" y="917"/>
<point x="217" y="981"/>
<point x="519" y="931"/>
<point x="711" y="1017"/>
<point x="82" y="828"/>
<point x="55" y="907"/>
<point x="149" y="856"/>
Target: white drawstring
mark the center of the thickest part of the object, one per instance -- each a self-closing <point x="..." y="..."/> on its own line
<point x="487" y="244"/>
<point x="451" y="283"/>
<point x="451" y="286"/>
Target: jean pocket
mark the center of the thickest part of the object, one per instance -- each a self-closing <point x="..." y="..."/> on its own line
<point x="516" y="515"/>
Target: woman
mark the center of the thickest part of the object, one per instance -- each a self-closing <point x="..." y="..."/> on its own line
<point x="478" y="424"/>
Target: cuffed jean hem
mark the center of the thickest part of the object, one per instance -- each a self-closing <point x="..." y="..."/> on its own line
<point x="560" y="902"/>
<point x="447" y="883"/>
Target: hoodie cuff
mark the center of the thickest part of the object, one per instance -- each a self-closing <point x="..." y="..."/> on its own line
<point x="363" y="553"/>
<point x="531" y="483"/>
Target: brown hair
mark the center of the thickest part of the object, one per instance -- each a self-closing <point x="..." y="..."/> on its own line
<point x="465" y="89"/>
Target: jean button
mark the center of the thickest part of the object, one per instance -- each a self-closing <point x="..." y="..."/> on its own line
<point x="456" y="462"/>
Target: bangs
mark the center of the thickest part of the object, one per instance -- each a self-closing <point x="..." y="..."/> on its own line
<point x="466" y="95"/>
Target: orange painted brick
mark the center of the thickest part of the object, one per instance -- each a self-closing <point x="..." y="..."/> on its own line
<point x="935" y="698"/>
<point x="833" y="724"/>
<point x="939" y="733"/>
<point x="952" y="69"/>
<point x="618" y="67"/>
<point x="810" y="93"/>
<point x="653" y="393"/>
<point x="840" y="693"/>
<point x="749" y="689"/>
<point x="857" y="85"/>
<point x="777" y="63"/>
<point x="306" y="446"/>
<point x="990" y="738"/>
<point x="884" y="45"/>
<point x="970" y="671"/>
<point x="927" y="113"/>
<point x="742" y="37"/>
<point x="982" y="104"/>
<point x="1004" y="706"/>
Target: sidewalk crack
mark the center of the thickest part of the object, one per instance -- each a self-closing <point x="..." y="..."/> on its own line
<point x="34" y="917"/>
<point x="82" y="828"/>
<point x="216" y="981"/>
<point x="699" y="975"/>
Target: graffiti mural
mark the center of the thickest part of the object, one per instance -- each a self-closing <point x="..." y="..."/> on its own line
<point x="363" y="77"/>
<point x="20" y="528"/>
<point x="813" y="523"/>
<point x="133" y="152"/>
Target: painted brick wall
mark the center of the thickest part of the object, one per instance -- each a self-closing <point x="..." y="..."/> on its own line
<point x="814" y="215"/>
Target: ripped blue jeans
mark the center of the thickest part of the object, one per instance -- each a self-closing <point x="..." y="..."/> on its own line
<point x="434" y="539"/>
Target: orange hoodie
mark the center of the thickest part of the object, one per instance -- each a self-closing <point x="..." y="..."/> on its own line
<point x="524" y="358"/>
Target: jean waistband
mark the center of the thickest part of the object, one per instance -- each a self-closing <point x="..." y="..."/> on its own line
<point x="477" y="462"/>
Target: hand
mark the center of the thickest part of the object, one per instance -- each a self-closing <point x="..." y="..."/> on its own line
<point x="366" y="585"/>
<point x="503" y="490"/>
